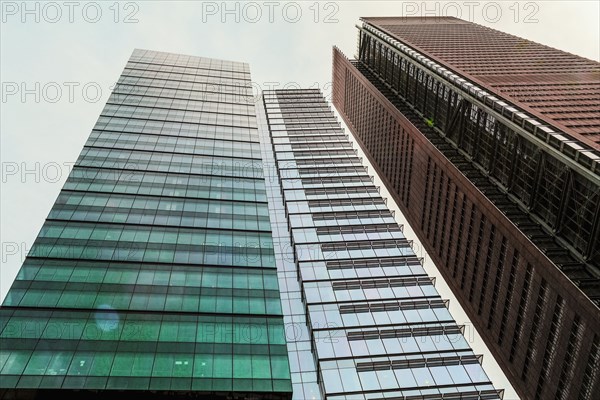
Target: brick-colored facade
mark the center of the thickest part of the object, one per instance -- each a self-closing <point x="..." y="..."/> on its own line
<point x="542" y="329"/>
<point x="560" y="88"/>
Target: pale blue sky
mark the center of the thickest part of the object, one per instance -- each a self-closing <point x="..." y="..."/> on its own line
<point x="71" y="50"/>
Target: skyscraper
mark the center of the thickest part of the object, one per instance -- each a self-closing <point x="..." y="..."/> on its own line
<point x="155" y="272"/>
<point x="377" y="326"/>
<point x="490" y="145"/>
<point x="204" y="247"/>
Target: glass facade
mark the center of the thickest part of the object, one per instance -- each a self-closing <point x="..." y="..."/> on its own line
<point x="155" y="270"/>
<point x="302" y="366"/>
<point x="204" y="247"/>
<point x="377" y="327"/>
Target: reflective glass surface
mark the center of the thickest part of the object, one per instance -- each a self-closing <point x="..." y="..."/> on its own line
<point x="351" y="283"/>
<point x="155" y="269"/>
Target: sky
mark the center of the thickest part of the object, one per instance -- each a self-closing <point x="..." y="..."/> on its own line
<point x="59" y="60"/>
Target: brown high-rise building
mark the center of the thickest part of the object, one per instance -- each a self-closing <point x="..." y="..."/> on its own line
<point x="490" y="145"/>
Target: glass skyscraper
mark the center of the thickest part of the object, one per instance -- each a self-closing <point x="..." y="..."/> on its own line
<point x="377" y="326"/>
<point x="155" y="269"/>
<point x="209" y="247"/>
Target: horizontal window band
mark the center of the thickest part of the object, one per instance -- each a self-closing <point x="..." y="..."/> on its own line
<point x="131" y="340"/>
<point x="349" y="229"/>
<point x="138" y="289"/>
<point x="136" y="59"/>
<point x="181" y="121"/>
<point x="373" y="263"/>
<point x="405" y="332"/>
<point x="253" y="162"/>
<point x="130" y="173"/>
<point x="98" y="132"/>
<point x="367" y="244"/>
<point x="470" y="395"/>
<point x="162" y="315"/>
<point x="382" y="283"/>
<point x="323" y="216"/>
<point x="341" y="190"/>
<point x="419" y="363"/>
<point x="130" y="89"/>
<point x="392" y="306"/>
<point x="66" y="194"/>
